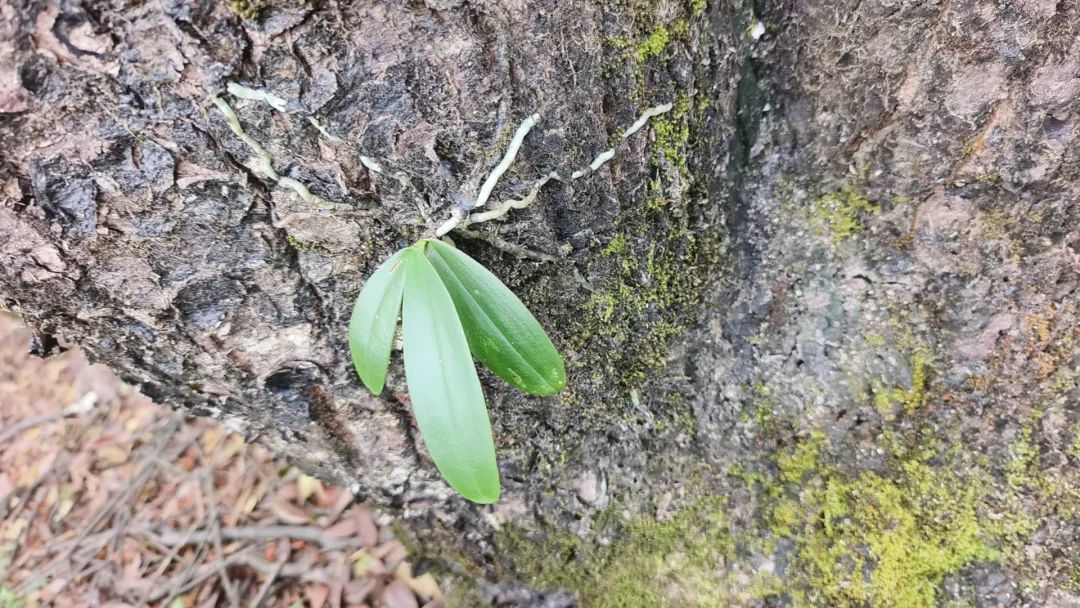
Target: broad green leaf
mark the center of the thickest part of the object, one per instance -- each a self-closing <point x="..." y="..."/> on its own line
<point x="502" y="334"/>
<point x="374" y="321"/>
<point x="443" y="387"/>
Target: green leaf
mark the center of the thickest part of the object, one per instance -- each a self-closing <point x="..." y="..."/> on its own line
<point x="443" y="387"/>
<point x="502" y="334"/>
<point x="374" y="321"/>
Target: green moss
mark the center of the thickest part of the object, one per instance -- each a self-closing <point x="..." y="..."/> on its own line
<point x="653" y="45"/>
<point x="649" y="562"/>
<point x="840" y="214"/>
<point x="910" y="399"/>
<point x="617" y="245"/>
<point x="247" y="9"/>
<point x="877" y="539"/>
<point x="697" y="7"/>
<point x="1074" y="447"/>
<point x="794" y="465"/>
<point x="299" y="245"/>
<point x="650" y="274"/>
<point x="785" y="518"/>
<point x="876" y="340"/>
<point x="672" y="132"/>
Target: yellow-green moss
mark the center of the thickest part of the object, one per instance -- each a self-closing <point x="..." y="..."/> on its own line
<point x="1074" y="447"/>
<point x="299" y="245"/>
<point x="909" y="400"/>
<point x="840" y="214"/>
<point x="697" y="7"/>
<point x="877" y="539"/>
<point x="247" y="9"/>
<point x="672" y="131"/>
<point x="652" y="270"/>
<point x="649" y="563"/>
<point x="876" y="340"/>
<point x="802" y="459"/>
<point x="654" y="44"/>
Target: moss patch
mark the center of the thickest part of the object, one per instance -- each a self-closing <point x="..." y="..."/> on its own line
<point x="840" y="214"/>
<point x="649" y="563"/>
<point x="247" y="9"/>
<point x="653" y="45"/>
<point x="875" y="538"/>
<point x="655" y="268"/>
<point x="888" y="399"/>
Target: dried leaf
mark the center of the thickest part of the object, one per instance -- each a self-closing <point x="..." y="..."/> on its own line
<point x="398" y="595"/>
<point x="306" y="486"/>
<point x="316" y="595"/>
<point x="288" y="512"/>
<point x="365" y="525"/>
<point x="345" y="528"/>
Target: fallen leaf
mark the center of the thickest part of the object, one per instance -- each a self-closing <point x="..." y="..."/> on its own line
<point x="316" y="595"/>
<point x="306" y="486"/>
<point x="391" y="553"/>
<point x="398" y="595"/>
<point x="357" y="591"/>
<point x="288" y="512"/>
<point x="365" y="563"/>
<point x="345" y="528"/>
<point x="365" y="525"/>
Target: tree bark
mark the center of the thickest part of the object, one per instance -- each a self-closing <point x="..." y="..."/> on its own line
<point x="845" y="261"/>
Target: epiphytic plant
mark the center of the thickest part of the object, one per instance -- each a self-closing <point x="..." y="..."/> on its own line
<point x="452" y="310"/>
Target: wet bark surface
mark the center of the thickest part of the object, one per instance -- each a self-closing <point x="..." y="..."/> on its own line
<point x="853" y="238"/>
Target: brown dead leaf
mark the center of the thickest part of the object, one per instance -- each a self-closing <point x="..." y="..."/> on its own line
<point x="365" y="525"/>
<point x="211" y="439"/>
<point x="398" y="595"/>
<point x="364" y="564"/>
<point x="66" y="501"/>
<point x="345" y="528"/>
<point x="288" y="512"/>
<point x="391" y="553"/>
<point x="316" y="595"/>
<point x="111" y="455"/>
<point x="423" y="585"/>
<point x="357" y="591"/>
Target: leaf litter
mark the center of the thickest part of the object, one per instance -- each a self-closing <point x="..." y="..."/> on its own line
<point x="107" y="499"/>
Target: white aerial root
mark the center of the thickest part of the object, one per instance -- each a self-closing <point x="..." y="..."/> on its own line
<point x="322" y="129"/>
<point x="598" y="162"/>
<point x="461" y="217"/>
<point x="501" y="210"/>
<point x="644" y="118"/>
<point x="267" y="97"/>
<point x="511" y="153"/>
<point x="371" y="164"/>
<point x="264" y="162"/>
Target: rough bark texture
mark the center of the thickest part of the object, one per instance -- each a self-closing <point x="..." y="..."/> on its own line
<point x="820" y="319"/>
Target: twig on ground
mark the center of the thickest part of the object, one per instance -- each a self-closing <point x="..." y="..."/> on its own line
<point x="170" y="536"/>
<point x="84" y="404"/>
<point x="215" y="529"/>
<point x="285" y="551"/>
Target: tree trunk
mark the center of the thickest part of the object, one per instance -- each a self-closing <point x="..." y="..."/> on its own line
<point x="820" y="318"/>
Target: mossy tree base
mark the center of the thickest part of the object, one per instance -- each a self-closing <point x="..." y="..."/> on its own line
<point x="820" y="319"/>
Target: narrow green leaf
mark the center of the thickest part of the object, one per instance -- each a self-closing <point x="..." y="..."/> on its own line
<point x="374" y="321"/>
<point x="443" y="387"/>
<point x="502" y="333"/>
